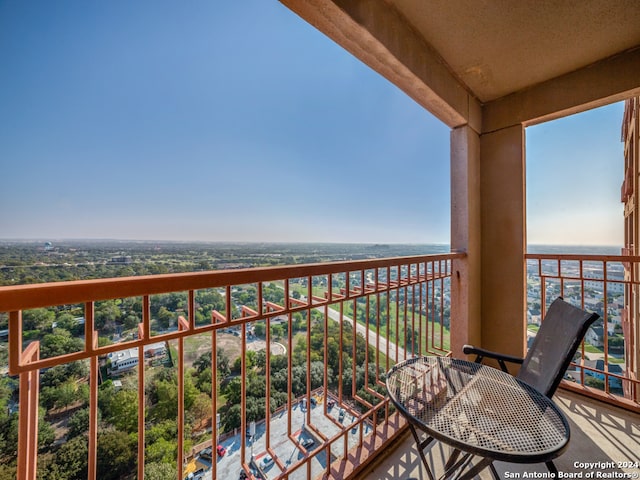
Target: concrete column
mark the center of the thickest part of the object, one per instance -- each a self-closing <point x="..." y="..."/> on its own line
<point x="465" y="237"/>
<point x="503" y="242"/>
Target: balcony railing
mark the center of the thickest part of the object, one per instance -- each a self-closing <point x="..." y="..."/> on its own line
<point x="606" y="366"/>
<point x="171" y="367"/>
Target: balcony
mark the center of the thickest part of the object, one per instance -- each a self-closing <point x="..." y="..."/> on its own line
<point x="487" y="75"/>
<point x="301" y="412"/>
<point x="303" y="421"/>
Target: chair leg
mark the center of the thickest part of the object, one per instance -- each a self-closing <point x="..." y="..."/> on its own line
<point x="452" y="459"/>
<point x="456" y="469"/>
<point x="494" y="472"/>
<point x="552" y="468"/>
<point x="474" y="470"/>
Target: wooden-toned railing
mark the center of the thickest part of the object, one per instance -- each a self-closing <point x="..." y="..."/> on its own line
<point x="606" y="366"/>
<point x="358" y="317"/>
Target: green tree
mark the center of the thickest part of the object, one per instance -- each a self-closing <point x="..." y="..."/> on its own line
<point x="279" y="381"/>
<point x="300" y="352"/>
<point x="299" y="380"/>
<point x="203" y="381"/>
<point x="256" y="385"/>
<point x="259" y="329"/>
<point x="71" y="460"/>
<point x="9" y="436"/>
<point x="255" y="408"/>
<point x="233" y="391"/>
<point x="261" y="361"/>
<point x="161" y="451"/>
<point x="67" y="394"/>
<point x="231" y="418"/>
<point x="67" y="321"/>
<point x="165" y="318"/>
<point x="8" y="471"/>
<point x="223" y="362"/>
<point x="37" y="319"/>
<point x="131" y="321"/>
<point x="123" y="411"/>
<point x="159" y="471"/>
<point x="6" y="390"/>
<point x="278" y="398"/>
<point x="116" y="455"/>
<point x="167" y="429"/>
<point x="299" y="322"/>
<point x="79" y="423"/>
<point x="277" y="331"/>
<point x="202" y="362"/>
<point x="279" y="362"/>
<point x="210" y="300"/>
<point x="200" y="410"/>
<point x="250" y="359"/>
<point x="166" y="393"/>
<point x="333" y="358"/>
<point x="46" y="433"/>
<point x="107" y="313"/>
<point x="59" y="343"/>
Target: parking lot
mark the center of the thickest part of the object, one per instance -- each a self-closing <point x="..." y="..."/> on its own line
<point x="286" y="451"/>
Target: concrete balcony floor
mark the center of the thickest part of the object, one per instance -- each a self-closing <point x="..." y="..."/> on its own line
<point x="599" y="433"/>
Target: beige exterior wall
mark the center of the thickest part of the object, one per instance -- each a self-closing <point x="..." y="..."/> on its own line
<point x="503" y="240"/>
<point x="466" y="237"/>
<point x="631" y="199"/>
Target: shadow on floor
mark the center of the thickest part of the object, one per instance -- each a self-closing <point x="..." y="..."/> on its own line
<point x="601" y="436"/>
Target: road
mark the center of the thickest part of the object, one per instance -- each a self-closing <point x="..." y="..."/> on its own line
<point x="395" y="352"/>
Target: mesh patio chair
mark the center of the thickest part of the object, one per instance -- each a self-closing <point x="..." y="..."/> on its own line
<point x="552" y="351"/>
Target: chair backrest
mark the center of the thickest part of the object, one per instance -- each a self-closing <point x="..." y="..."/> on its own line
<point x="554" y="346"/>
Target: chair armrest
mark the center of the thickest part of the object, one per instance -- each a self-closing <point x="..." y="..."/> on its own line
<point x="481" y="353"/>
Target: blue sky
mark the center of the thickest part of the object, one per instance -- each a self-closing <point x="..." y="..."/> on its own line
<point x="575" y="169"/>
<point x="230" y="121"/>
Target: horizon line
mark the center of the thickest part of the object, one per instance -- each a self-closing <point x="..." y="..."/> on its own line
<point x="283" y="242"/>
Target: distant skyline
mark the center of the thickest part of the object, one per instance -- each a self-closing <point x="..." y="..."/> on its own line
<point x="237" y="121"/>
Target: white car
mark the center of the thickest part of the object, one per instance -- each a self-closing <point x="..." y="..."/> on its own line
<point x="341" y="414"/>
<point x="267" y="461"/>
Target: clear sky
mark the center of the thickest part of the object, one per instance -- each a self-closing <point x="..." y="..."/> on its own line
<point x="575" y="169"/>
<point x="236" y="121"/>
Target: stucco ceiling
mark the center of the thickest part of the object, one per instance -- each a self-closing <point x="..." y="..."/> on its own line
<point x="496" y="47"/>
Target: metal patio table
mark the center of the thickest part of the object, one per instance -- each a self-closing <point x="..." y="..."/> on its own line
<point x="483" y="413"/>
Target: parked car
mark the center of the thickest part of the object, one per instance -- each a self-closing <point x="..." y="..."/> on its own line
<point x="341" y="414"/>
<point x="221" y="450"/>
<point x="307" y="442"/>
<point x="267" y="461"/>
<point x="206" y="453"/>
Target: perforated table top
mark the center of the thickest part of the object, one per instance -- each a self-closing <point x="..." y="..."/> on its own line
<point x="478" y="409"/>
